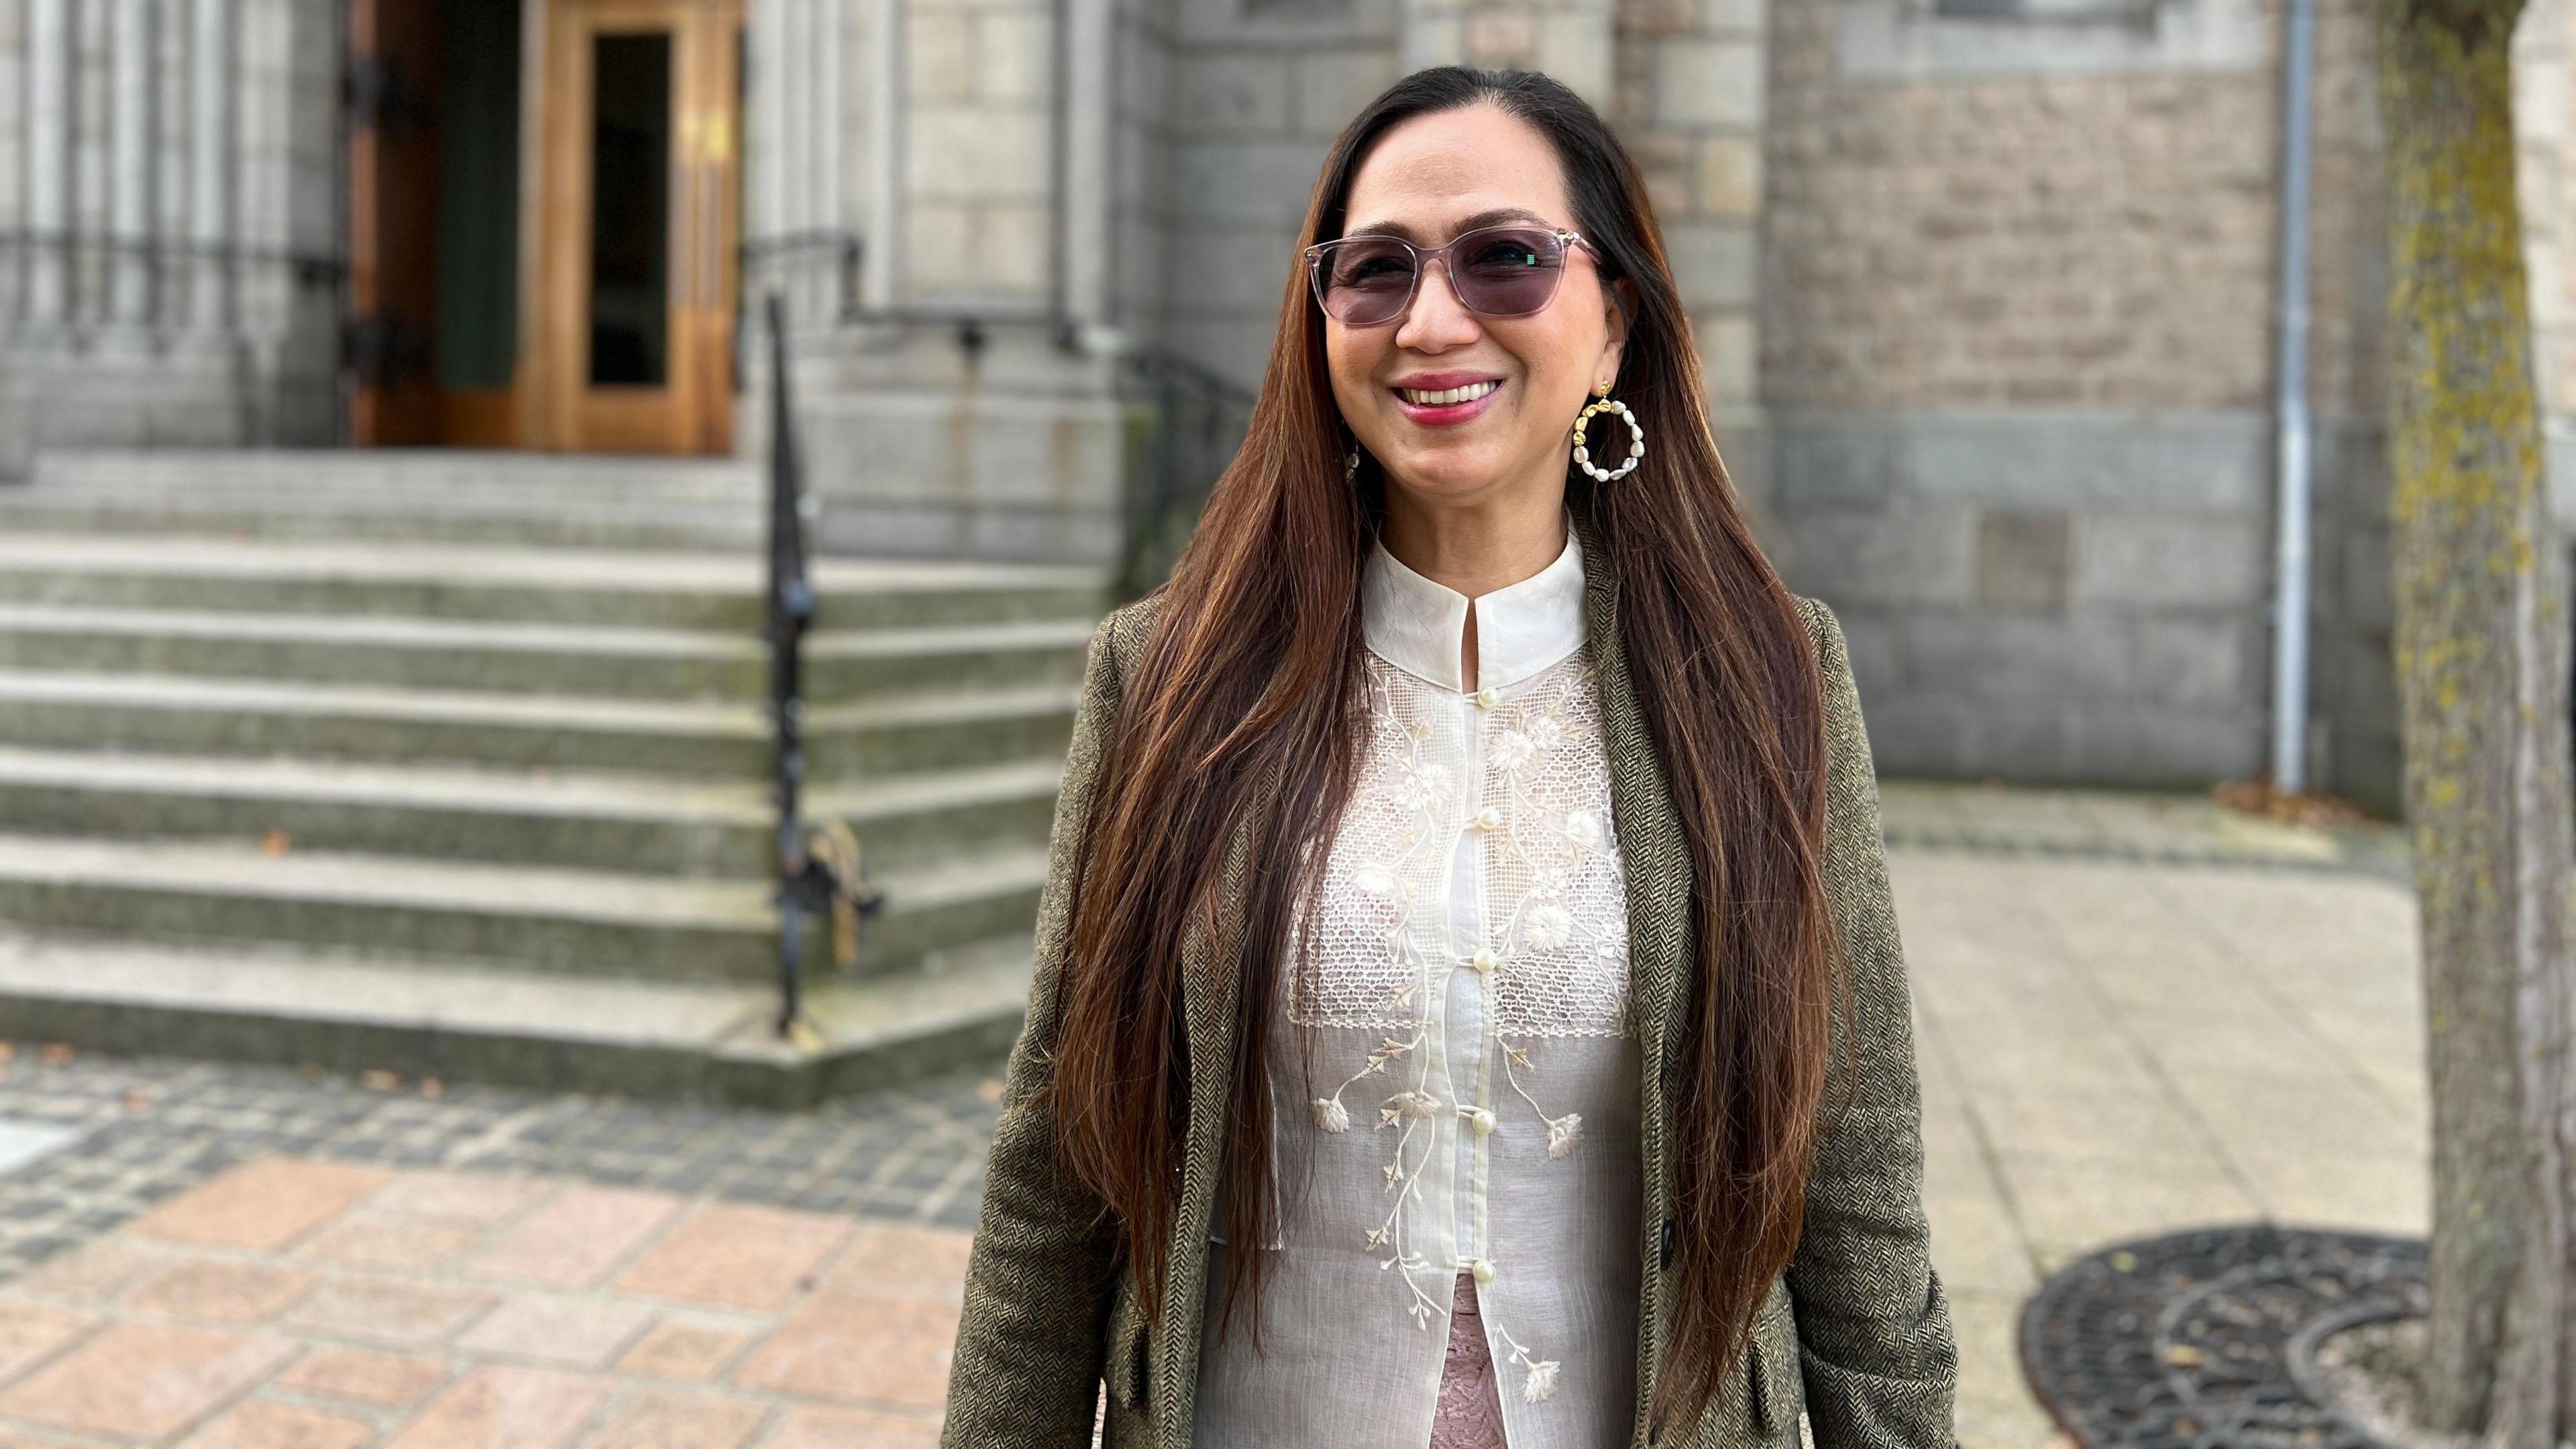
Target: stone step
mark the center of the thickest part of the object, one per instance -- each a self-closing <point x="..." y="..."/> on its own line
<point x="323" y="720"/>
<point x="459" y="764"/>
<point x="550" y="919"/>
<point x="558" y="658"/>
<point x="585" y="819"/>
<point x="423" y="473"/>
<point x="644" y="525"/>
<point x="673" y="590"/>
<point x="462" y="1021"/>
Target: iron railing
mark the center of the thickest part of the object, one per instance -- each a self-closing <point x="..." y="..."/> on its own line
<point x="816" y="873"/>
<point x="1185" y="423"/>
<point x="160" y="253"/>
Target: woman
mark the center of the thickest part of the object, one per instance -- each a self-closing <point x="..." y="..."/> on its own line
<point x="1468" y="1008"/>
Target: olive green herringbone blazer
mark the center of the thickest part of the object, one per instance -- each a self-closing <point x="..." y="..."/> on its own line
<point x="1856" y="1334"/>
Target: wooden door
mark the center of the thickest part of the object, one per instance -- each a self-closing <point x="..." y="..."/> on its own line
<point x="393" y="216"/>
<point x="639" y="223"/>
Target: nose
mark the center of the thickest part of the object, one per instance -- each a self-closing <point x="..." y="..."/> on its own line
<point x="1436" y="320"/>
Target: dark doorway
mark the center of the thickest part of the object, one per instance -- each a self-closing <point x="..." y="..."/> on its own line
<point x="434" y="147"/>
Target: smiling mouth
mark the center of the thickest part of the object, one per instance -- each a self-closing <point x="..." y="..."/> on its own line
<point x="1447" y="397"/>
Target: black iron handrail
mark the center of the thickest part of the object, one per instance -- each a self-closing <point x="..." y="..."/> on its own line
<point x="1192" y="423"/>
<point x="790" y="613"/>
<point x="845" y="249"/>
<point x="821" y="872"/>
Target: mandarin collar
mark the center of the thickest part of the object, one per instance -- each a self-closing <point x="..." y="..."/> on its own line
<point x="1417" y="624"/>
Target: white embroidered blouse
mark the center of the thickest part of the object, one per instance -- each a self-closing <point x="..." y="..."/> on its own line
<point x="1454" y="1074"/>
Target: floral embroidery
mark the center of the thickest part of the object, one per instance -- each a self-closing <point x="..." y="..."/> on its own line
<point x="1583" y="827"/>
<point x="1541" y="1379"/>
<point x="1528" y="775"/>
<point x="1547" y="927"/>
<point x="1563" y="1132"/>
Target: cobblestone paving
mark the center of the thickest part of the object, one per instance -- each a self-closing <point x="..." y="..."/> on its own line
<point x="150" y="1128"/>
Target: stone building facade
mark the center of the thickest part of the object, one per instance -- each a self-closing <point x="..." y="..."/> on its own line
<point x="1984" y="289"/>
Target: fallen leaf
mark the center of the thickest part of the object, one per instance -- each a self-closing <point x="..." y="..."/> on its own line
<point x="273" y="842"/>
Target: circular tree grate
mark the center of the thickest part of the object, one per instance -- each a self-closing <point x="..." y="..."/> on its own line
<point x="2202" y="1340"/>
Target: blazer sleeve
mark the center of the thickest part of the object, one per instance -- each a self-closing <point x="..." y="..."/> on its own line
<point x="1879" y="1363"/>
<point x="1031" y="1334"/>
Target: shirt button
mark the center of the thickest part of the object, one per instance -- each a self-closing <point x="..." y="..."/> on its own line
<point x="1484" y="1120"/>
<point x="1488" y="697"/>
<point x="1484" y="1270"/>
<point x="1485" y="961"/>
<point x="1488" y="818"/>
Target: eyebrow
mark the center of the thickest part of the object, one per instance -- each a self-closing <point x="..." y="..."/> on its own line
<point x="1491" y="217"/>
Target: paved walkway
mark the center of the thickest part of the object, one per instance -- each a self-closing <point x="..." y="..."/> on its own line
<point x="2114" y="1051"/>
<point x="2135" y="1013"/>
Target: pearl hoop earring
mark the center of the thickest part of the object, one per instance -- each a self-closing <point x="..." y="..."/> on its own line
<point x="1636" y="436"/>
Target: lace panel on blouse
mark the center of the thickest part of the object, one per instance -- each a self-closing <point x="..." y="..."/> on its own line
<point x="1555" y="904"/>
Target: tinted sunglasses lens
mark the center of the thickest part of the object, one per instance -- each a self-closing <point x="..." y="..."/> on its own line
<point x="1363" y="281"/>
<point x="1506" y="271"/>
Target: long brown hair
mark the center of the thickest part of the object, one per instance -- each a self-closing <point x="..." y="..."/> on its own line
<point x="1233" y="727"/>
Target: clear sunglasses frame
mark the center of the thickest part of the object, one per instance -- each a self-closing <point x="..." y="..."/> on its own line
<point x="1321" y="253"/>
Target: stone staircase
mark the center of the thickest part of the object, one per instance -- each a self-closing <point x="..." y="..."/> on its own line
<point x="456" y="765"/>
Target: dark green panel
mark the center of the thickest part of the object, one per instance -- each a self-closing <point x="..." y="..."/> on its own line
<point x="478" y="217"/>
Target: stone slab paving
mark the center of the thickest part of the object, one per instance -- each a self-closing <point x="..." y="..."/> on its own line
<point x="2133" y="1015"/>
<point x="2111" y="1051"/>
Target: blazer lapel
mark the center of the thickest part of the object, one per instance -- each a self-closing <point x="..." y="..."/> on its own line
<point x="1655" y="857"/>
<point x="1211" y="972"/>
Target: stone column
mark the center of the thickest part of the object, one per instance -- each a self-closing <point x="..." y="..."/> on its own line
<point x="831" y="61"/>
<point x="210" y="109"/>
<point x="263" y="291"/>
<point x="48" y="168"/>
<point x="765" y="140"/>
<point x="1090" y="187"/>
<point x="883" y="258"/>
<point x="93" y="101"/>
<point x="169" y="145"/>
<point x="795" y="142"/>
<point x="132" y="165"/>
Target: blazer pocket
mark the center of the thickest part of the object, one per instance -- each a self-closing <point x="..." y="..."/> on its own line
<point x="1779" y="1390"/>
<point x="1125" y="1369"/>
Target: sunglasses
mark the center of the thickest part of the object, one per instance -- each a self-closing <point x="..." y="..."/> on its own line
<point x="1497" y="271"/>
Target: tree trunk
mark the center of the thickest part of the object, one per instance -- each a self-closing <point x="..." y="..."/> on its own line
<point x="2482" y="649"/>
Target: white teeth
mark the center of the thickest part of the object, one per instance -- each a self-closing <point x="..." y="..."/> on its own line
<point x="1469" y="393"/>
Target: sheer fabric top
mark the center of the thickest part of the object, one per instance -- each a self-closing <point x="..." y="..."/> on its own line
<point x="1454" y="1069"/>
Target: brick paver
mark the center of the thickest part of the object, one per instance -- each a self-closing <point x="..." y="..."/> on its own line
<point x="261" y="1424"/>
<point x="245" y="1336"/>
<point x="364" y="1376"/>
<point x="141" y="1381"/>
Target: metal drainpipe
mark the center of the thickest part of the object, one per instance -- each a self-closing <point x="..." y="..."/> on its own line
<point x="2290" y="406"/>
<point x="1059" y="149"/>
